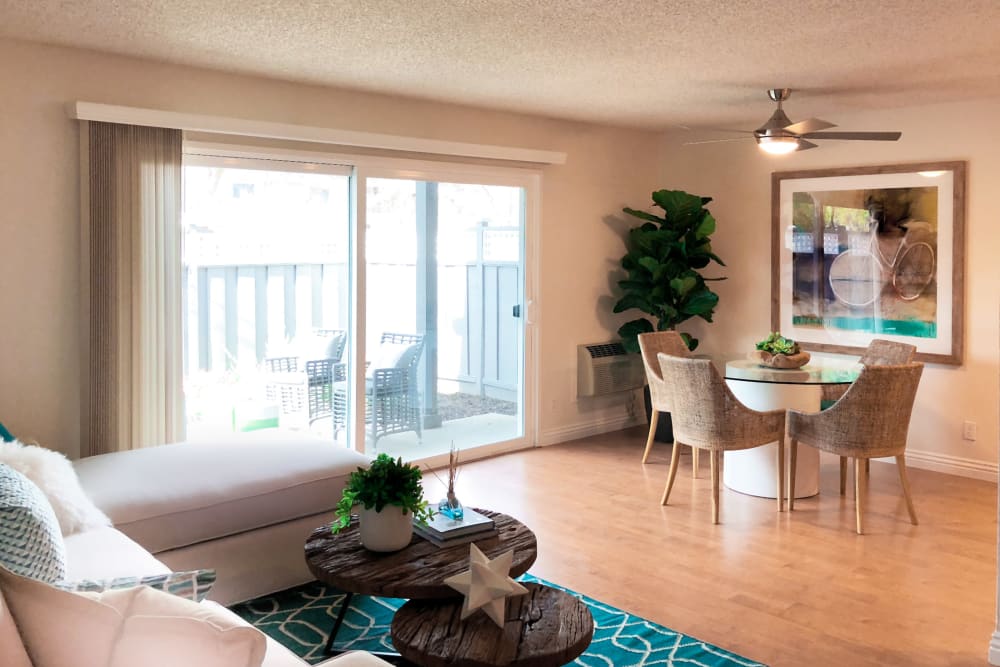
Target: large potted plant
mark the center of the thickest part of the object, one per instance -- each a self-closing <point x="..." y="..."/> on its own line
<point x="664" y="260"/>
<point x="391" y="496"/>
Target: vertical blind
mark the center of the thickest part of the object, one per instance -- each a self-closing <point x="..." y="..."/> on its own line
<point x="135" y="396"/>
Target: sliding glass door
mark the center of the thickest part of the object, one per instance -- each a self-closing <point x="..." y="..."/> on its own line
<point x="444" y="315"/>
<point x="266" y="293"/>
<point x="386" y="311"/>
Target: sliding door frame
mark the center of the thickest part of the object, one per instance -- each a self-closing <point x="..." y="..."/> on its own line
<point x="365" y="167"/>
<point x="530" y="182"/>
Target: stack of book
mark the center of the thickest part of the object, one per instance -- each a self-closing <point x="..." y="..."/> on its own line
<point x="444" y="531"/>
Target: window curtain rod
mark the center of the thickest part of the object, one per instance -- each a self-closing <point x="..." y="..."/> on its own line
<point x="270" y="130"/>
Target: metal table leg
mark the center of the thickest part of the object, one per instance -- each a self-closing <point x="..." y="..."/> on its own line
<point x="328" y="649"/>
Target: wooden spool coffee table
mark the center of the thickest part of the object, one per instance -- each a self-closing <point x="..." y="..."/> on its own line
<point x="416" y="572"/>
<point x="545" y="628"/>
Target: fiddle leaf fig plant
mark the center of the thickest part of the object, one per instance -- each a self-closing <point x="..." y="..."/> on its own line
<point x="386" y="481"/>
<point x="664" y="259"/>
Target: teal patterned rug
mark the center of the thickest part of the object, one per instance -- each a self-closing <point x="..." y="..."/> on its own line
<point x="301" y="617"/>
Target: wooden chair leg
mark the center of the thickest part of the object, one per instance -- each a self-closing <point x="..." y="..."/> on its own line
<point x="843" y="475"/>
<point x="905" y="481"/>
<point x="793" y="454"/>
<point x="781" y="474"/>
<point x="694" y="462"/>
<point x="868" y="468"/>
<point x="675" y="454"/>
<point x="714" y="460"/>
<point x="859" y="495"/>
<point x="652" y="431"/>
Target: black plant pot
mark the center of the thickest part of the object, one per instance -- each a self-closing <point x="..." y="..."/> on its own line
<point x="664" y="427"/>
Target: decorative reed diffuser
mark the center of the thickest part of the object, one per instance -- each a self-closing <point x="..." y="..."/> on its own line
<point x="450" y="506"/>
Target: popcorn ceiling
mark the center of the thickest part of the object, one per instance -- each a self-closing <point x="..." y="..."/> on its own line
<point x="640" y="63"/>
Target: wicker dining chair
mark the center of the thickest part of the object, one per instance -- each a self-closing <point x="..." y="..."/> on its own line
<point x="869" y="421"/>
<point x="707" y="415"/>
<point x="651" y="344"/>
<point x="879" y="353"/>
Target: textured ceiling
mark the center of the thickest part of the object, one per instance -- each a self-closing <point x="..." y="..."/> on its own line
<point x="639" y="63"/>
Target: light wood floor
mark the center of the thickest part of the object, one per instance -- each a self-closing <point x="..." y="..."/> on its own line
<point x="787" y="590"/>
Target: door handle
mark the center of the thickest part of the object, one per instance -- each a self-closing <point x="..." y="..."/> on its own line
<point x="516" y="310"/>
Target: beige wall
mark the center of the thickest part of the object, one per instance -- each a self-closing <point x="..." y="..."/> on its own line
<point x="737" y="175"/>
<point x="39" y="213"/>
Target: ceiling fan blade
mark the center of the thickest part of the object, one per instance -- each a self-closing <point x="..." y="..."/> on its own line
<point x="805" y="145"/>
<point x="720" y="129"/>
<point x="808" y="125"/>
<point x="859" y="136"/>
<point x="714" y="141"/>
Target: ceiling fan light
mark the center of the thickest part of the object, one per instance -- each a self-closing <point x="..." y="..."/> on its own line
<point x="778" y="145"/>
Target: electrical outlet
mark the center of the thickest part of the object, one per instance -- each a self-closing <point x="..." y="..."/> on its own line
<point x="969" y="430"/>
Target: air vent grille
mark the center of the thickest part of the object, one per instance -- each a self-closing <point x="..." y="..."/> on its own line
<point x="605" y="350"/>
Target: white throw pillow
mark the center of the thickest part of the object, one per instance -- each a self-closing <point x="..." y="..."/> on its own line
<point x="11" y="646"/>
<point x="54" y="475"/>
<point x="62" y="628"/>
<point x="134" y="627"/>
<point x="163" y="630"/>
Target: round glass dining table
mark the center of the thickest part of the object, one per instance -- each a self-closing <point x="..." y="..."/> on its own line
<point x="751" y="471"/>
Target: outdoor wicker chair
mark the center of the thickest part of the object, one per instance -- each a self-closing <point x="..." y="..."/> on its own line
<point x="707" y="415"/>
<point x="301" y="384"/>
<point x="392" y="397"/>
<point x="869" y="421"/>
<point x="879" y="353"/>
<point x="651" y="344"/>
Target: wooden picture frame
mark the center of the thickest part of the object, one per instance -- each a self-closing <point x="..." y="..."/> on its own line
<point x="859" y="253"/>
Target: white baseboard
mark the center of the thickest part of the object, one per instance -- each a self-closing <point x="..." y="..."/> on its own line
<point x="952" y="465"/>
<point x="994" y="653"/>
<point x="554" y="436"/>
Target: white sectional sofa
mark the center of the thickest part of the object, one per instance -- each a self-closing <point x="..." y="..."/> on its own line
<point x="243" y="508"/>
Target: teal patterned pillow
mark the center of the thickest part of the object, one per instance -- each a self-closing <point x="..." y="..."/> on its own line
<point x="193" y="585"/>
<point x="31" y="543"/>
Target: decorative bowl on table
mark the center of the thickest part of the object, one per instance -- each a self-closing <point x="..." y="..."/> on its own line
<point x="776" y="351"/>
<point x="784" y="361"/>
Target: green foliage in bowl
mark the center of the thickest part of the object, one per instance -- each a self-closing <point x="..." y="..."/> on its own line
<point x="386" y="481"/>
<point x="775" y="343"/>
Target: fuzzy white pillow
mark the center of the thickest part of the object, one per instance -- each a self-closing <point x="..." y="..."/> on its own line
<point x="54" y="475"/>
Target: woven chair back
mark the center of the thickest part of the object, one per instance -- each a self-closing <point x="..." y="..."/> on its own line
<point x="706" y="414"/>
<point x="652" y="344"/>
<point x="887" y="353"/>
<point x="870" y="420"/>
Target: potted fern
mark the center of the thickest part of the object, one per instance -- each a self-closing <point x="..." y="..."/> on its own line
<point x="666" y="254"/>
<point x="391" y="496"/>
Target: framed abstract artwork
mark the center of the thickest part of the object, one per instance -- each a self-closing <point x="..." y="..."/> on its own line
<point x="870" y="252"/>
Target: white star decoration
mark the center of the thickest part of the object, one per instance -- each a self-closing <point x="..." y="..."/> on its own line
<point x="486" y="585"/>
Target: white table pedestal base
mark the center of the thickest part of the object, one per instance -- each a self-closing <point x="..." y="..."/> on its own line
<point x="752" y="471"/>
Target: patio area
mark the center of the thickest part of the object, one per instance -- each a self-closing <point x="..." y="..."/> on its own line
<point x="465" y="419"/>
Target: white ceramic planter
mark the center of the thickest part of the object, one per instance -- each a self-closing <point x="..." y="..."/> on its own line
<point x="388" y="530"/>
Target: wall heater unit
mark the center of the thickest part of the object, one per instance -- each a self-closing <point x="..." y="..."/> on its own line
<point x="606" y="368"/>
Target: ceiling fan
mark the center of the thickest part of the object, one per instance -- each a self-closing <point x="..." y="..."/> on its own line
<point x="779" y="135"/>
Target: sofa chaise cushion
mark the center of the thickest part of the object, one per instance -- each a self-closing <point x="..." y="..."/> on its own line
<point x="105" y="553"/>
<point x="176" y="495"/>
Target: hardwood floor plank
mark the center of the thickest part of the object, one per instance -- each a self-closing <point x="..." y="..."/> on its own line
<point x="788" y="589"/>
